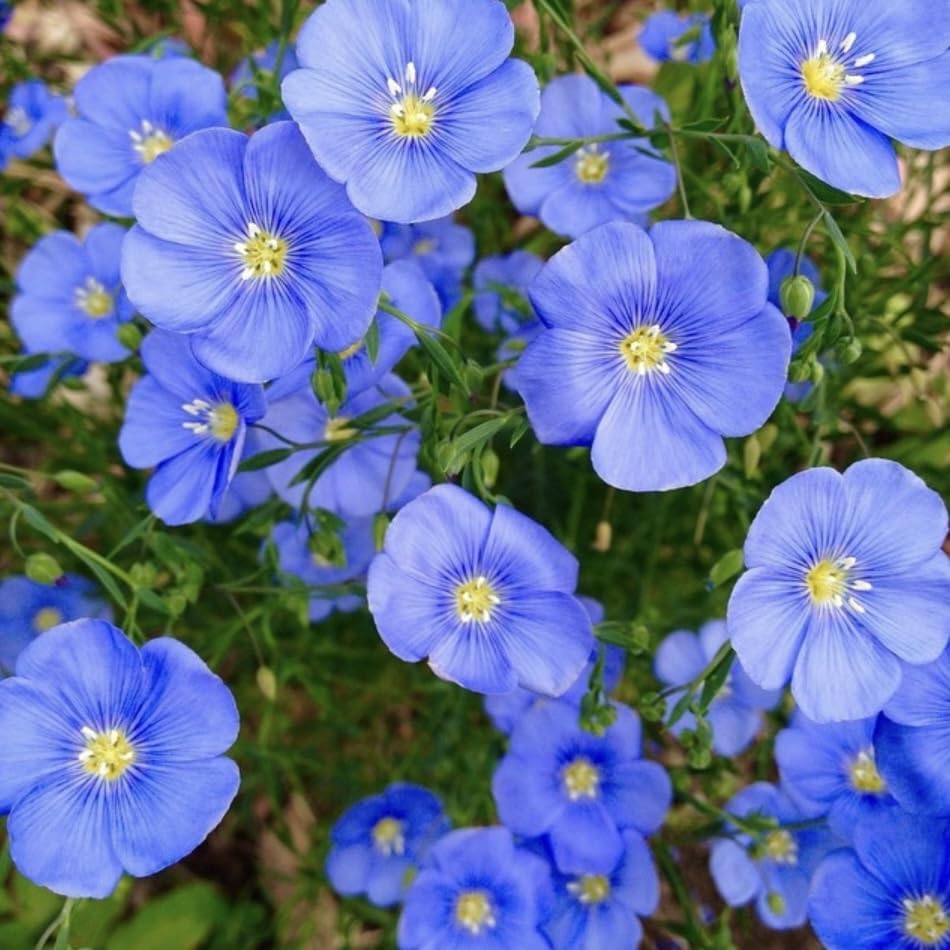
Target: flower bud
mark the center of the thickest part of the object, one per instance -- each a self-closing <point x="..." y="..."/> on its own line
<point x="850" y="352"/>
<point x="43" y="569"/>
<point x="797" y="296"/>
<point x="75" y="481"/>
<point x="129" y="335"/>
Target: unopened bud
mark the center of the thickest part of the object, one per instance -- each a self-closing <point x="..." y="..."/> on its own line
<point x="43" y="569"/>
<point x="850" y="352"/>
<point x="797" y="296"/>
<point x="129" y="335"/>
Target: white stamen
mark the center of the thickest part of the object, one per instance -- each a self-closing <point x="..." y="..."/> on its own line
<point x="196" y="407"/>
<point x="849" y="42"/>
<point x="430" y="94"/>
<point x="394" y="88"/>
<point x="411" y="73"/>
<point x="852" y="80"/>
<point x="88" y="733"/>
<point x="822" y="47"/>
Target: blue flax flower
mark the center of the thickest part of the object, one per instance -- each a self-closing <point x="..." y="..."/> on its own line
<point x="913" y="739"/>
<point x="580" y="790"/>
<point x="735" y="714"/>
<point x="773" y="868"/>
<point x="28" y="609"/>
<point x="891" y="892"/>
<point x="663" y="37"/>
<point x="834" y="82"/>
<point x="442" y="248"/>
<point x="500" y="284"/>
<point x="597" y="911"/>
<point x="602" y="181"/>
<point x="190" y="424"/>
<point x="846" y="579"/>
<point x="369" y="475"/>
<point x="245" y="245"/>
<point x="131" y="110"/>
<point x="487" y="596"/>
<point x="71" y="297"/>
<point x="647" y="340"/>
<point x="377" y="844"/>
<point x="297" y="556"/>
<point x="477" y="890"/>
<point x="831" y="769"/>
<point x="113" y="757"/>
<point x="247" y="489"/>
<point x="505" y="709"/>
<point x="31" y="117"/>
<point x="406" y="101"/>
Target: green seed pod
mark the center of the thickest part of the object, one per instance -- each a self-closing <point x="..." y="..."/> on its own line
<point x="797" y="296"/>
<point x="130" y="336"/>
<point x="43" y="569"/>
<point x="75" y="481"/>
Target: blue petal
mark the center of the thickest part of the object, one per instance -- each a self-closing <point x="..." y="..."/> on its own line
<point x="848" y="907"/>
<point x="473" y="660"/>
<point x="679" y="658"/>
<point x="94" y="159"/>
<point x="567" y="380"/>
<point x="736" y="876"/>
<point x="791" y="885"/>
<point x="160" y="813"/>
<point x="913" y="761"/>
<point x="734" y="726"/>
<point x="153" y="430"/>
<point x="843" y="151"/>
<point x="54" y="267"/>
<point x="507" y="101"/>
<point x="114" y="94"/>
<point x="767" y="626"/>
<point x="577" y="207"/>
<point x="189" y="713"/>
<point x="186" y="96"/>
<point x="635" y="884"/>
<point x="638" y="795"/>
<point x="103" y="246"/>
<point x="528" y="799"/>
<point x="60" y="837"/>
<point x="841" y="672"/>
<point x="921" y="699"/>
<point x="649" y="440"/>
<point x="585" y="840"/>
<point x="546" y="637"/>
<point x="426" y="916"/>
<point x="182" y="487"/>
<point x="528" y="187"/>
<point x="387" y="881"/>
<point x="348" y="868"/>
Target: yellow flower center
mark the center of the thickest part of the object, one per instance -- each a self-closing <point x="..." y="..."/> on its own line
<point x="107" y="754"/>
<point x="781" y="847"/>
<point x="220" y="421"/>
<point x="591" y="165"/>
<point x="388" y="838"/>
<point x="338" y="429"/>
<point x="475" y="600"/>
<point x="830" y="584"/>
<point x="411" y="113"/>
<point x="264" y="254"/>
<point x="581" y="779"/>
<point x="826" y="75"/>
<point x="925" y="920"/>
<point x="590" y="888"/>
<point x="45" y="618"/>
<point x="473" y="911"/>
<point x="645" y="350"/>
<point x="424" y="246"/>
<point x="150" y="142"/>
<point x="94" y="300"/>
<point x="864" y="774"/>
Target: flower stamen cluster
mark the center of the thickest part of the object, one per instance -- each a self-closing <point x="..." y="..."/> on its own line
<point x="411" y="115"/>
<point x="149" y="142"/>
<point x="645" y="350"/>
<point x="825" y="74"/>
<point x="925" y="920"/>
<point x="108" y="754"/>
<point x="829" y="583"/>
<point x="94" y="300"/>
<point x="474" y="912"/>
<point x="220" y="421"/>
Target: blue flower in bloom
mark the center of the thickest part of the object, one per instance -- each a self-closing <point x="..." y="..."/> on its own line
<point x="33" y="113"/>
<point x="378" y="843"/>
<point x="406" y="101"/>
<point x="846" y="579"/>
<point x="369" y="475"/>
<point x="647" y="340"/>
<point x="834" y="82"/>
<point x="775" y="868"/>
<point x="297" y="556"/>
<point x="832" y="769"/>
<point x="33" y="383"/>
<point x="597" y="911"/>
<point x="580" y="790"/>
<point x="735" y="714"/>
<point x="250" y="249"/>
<point x="442" y="248"/>
<point x="500" y="284"/>
<point x="663" y="37"/>
<point x="28" y="609"/>
<point x="505" y="709"/>
<point x="486" y="595"/>
<point x="70" y="295"/>
<point x="190" y="424"/>
<point x="131" y="110"/>
<point x="244" y="77"/>
<point x="477" y="890"/>
<point x="913" y="739"/>
<point x="891" y="891"/>
<point x="602" y="181"/>
<point x="113" y="757"/>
